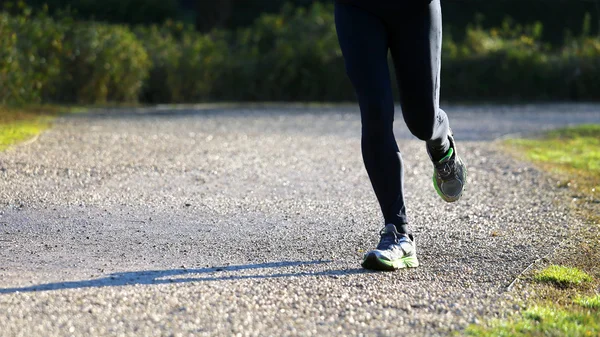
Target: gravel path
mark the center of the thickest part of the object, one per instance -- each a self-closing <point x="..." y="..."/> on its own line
<point x="252" y="221"/>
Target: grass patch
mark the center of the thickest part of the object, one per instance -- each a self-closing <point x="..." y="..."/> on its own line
<point x="591" y="302"/>
<point x="572" y="152"/>
<point x="563" y="277"/>
<point x="22" y="123"/>
<point x="543" y="321"/>
<point x="560" y="307"/>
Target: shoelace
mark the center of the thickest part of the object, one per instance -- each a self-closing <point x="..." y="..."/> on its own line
<point x="446" y="170"/>
<point x="387" y="239"/>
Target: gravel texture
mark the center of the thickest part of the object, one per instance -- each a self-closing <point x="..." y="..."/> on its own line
<point x="252" y="221"/>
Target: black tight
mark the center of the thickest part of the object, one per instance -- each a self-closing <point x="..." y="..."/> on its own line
<point x="413" y="35"/>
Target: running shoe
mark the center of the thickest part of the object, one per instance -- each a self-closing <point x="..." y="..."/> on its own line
<point x="449" y="174"/>
<point x="394" y="251"/>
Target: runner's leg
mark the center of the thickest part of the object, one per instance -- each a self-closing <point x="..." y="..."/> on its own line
<point x="415" y="42"/>
<point x="364" y="42"/>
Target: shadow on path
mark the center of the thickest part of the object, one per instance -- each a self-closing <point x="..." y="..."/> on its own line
<point x="166" y="276"/>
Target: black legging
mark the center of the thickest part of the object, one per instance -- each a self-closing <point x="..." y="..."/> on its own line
<point x="413" y="34"/>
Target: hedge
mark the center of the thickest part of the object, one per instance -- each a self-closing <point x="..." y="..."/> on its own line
<point x="290" y="56"/>
<point x="43" y="60"/>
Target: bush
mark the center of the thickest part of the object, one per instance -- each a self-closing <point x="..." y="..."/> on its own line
<point x="202" y="59"/>
<point x="185" y="64"/>
<point x="164" y="52"/>
<point x="40" y="44"/>
<point x="512" y="63"/>
<point x="290" y="56"/>
<point x="48" y="60"/>
<point x="11" y="79"/>
<point x="581" y="59"/>
<point x="103" y="63"/>
<point x="30" y="56"/>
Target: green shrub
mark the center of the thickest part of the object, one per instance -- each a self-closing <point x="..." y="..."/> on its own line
<point x="45" y="60"/>
<point x="185" y="64"/>
<point x="202" y="58"/>
<point x="290" y="56"/>
<point x="30" y="51"/>
<point x="11" y="79"/>
<point x="581" y="58"/>
<point x="103" y="63"/>
<point x="164" y="52"/>
<point x="511" y="63"/>
<point x="40" y="42"/>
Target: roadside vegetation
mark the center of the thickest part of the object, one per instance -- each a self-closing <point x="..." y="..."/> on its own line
<point x="292" y="55"/>
<point x="561" y="310"/>
<point x="572" y="155"/>
<point x="562" y="277"/>
<point x="23" y="123"/>
<point x="567" y="301"/>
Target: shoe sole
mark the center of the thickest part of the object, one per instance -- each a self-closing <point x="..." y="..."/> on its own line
<point x="373" y="262"/>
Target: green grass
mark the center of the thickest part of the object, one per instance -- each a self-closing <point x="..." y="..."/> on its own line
<point x="22" y="123"/>
<point x="15" y="132"/>
<point x="573" y="156"/>
<point x="563" y="277"/>
<point x="543" y="321"/>
<point x="572" y="152"/>
<point x="591" y="302"/>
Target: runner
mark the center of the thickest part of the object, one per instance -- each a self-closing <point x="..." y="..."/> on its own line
<point x="412" y="31"/>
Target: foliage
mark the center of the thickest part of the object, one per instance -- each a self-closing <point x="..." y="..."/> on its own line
<point x="163" y="49"/>
<point x="233" y="14"/>
<point x="292" y="55"/>
<point x="103" y="63"/>
<point x="11" y="77"/>
<point x="513" y="62"/>
<point x="280" y="57"/>
<point x="49" y="60"/>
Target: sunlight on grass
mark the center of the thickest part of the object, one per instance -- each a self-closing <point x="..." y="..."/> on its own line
<point x="21" y="123"/>
<point x="592" y="302"/>
<point x="580" y="153"/>
<point x="562" y="276"/>
<point x="14" y="132"/>
<point x="543" y="321"/>
<point x="573" y="151"/>
<point x="573" y="156"/>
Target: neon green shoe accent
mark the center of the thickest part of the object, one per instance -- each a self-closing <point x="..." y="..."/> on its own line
<point x="410" y="261"/>
<point x="448" y="155"/>
<point x="437" y="188"/>
<point x="383" y="264"/>
<point x="387" y="262"/>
